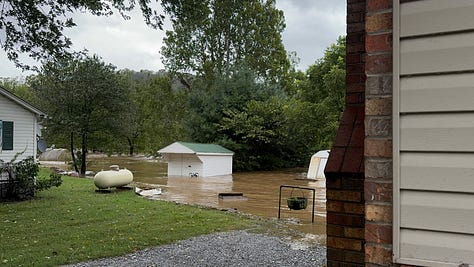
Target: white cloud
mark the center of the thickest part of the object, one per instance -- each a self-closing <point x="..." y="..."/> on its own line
<point x="311" y="26"/>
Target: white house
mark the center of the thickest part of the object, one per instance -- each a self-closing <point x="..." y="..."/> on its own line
<point x="192" y="159"/>
<point x="19" y="127"/>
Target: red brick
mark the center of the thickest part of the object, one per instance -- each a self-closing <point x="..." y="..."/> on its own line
<point x="355" y="37"/>
<point x="360" y="116"/>
<point x="356" y="48"/>
<point x="355" y="78"/>
<point x="333" y="183"/>
<point x="355" y="87"/>
<point x="335" y="230"/>
<point x="346" y="256"/>
<point x="378" y="148"/>
<point x="345" y="243"/>
<point x="334" y="206"/>
<point x="377" y="191"/>
<point x="345" y="207"/>
<point x="378" y="255"/>
<point x="350" y="196"/>
<point x="355" y="98"/>
<point x="335" y="159"/>
<point x="378" y="5"/>
<point x="353" y="58"/>
<point x="378" y="106"/>
<point x="343" y="135"/>
<point x="378" y="42"/>
<point x="355" y="27"/>
<point x="352" y="159"/>
<point x="380" y="234"/>
<point x="358" y="136"/>
<point x="356" y="7"/>
<point x="355" y="68"/>
<point x="349" y="115"/>
<point x="362" y="167"/>
<point x="354" y="257"/>
<point x="379" y="63"/>
<point x="355" y="17"/>
<point x="352" y="184"/>
<point x="353" y="208"/>
<point x="345" y="219"/>
<point x="378" y="213"/>
<point x="351" y="232"/>
<point x="378" y="22"/>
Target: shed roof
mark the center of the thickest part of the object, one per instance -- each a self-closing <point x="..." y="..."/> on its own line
<point x="206" y="148"/>
<point x="195" y="148"/>
<point x="21" y="102"/>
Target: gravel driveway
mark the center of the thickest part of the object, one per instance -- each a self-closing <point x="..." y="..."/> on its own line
<point x="237" y="248"/>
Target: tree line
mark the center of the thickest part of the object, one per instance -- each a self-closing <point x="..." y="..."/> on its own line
<point x="228" y="80"/>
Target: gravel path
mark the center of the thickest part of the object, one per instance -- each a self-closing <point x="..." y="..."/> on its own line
<point x="237" y="248"/>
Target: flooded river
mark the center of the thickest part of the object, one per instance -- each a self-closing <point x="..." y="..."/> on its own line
<point x="260" y="190"/>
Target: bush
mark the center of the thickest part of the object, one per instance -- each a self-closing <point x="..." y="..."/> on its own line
<point x="22" y="179"/>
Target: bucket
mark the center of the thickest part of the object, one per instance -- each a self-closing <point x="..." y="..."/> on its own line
<point x="297" y="203"/>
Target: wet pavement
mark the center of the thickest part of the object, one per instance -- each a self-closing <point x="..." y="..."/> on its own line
<point x="260" y="190"/>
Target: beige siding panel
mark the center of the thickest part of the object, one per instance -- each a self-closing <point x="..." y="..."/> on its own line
<point x="437" y="93"/>
<point x="437" y="54"/>
<point x="448" y="212"/>
<point x="437" y="171"/>
<point x="437" y="16"/>
<point x="436" y="246"/>
<point x="437" y="132"/>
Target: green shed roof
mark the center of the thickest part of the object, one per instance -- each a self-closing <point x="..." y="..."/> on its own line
<point x="206" y="148"/>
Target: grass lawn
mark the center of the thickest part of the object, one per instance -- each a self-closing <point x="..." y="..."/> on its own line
<point x="73" y="223"/>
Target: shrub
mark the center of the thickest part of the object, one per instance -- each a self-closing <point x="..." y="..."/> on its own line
<point x="22" y="179"/>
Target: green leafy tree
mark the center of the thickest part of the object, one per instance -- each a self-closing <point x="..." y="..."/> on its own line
<point x="20" y="89"/>
<point x="284" y="131"/>
<point x="324" y="91"/>
<point x="260" y="131"/>
<point x="162" y="111"/>
<point x="37" y="27"/>
<point x="81" y="97"/>
<point x="209" y="101"/>
<point x="211" y="36"/>
<point x="324" y="81"/>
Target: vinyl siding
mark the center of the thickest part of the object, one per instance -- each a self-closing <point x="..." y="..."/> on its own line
<point x="183" y="165"/>
<point x="24" y="125"/>
<point x="214" y="165"/>
<point x="434" y="127"/>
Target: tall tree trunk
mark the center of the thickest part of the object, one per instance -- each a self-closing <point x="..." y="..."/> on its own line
<point x="74" y="160"/>
<point x="131" y="147"/>
<point x="84" y="154"/>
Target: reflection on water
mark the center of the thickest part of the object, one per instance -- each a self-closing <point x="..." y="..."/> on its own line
<point x="260" y="188"/>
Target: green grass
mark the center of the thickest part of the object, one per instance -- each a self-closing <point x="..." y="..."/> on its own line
<point x="73" y="223"/>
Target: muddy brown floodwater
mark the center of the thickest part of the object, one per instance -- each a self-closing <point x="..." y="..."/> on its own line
<point x="260" y="189"/>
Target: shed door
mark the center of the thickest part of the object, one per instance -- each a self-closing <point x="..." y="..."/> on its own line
<point x="434" y="132"/>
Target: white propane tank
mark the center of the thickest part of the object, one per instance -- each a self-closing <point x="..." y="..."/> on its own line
<point x="113" y="178"/>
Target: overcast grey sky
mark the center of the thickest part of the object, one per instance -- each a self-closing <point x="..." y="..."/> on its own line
<point x="311" y="26"/>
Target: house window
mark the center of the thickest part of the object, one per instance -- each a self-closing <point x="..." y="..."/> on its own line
<point x="6" y="134"/>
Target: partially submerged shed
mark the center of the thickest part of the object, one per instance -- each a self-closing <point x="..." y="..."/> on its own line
<point x="194" y="159"/>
